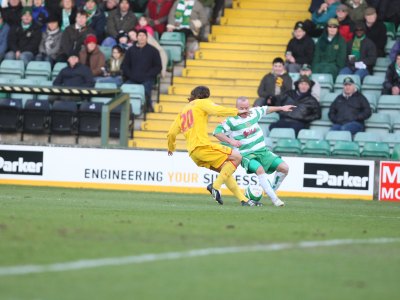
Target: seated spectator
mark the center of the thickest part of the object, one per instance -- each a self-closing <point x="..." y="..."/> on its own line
<point x="391" y="86"/>
<point x="389" y="11"/>
<point x="395" y="49"/>
<point x="24" y="39"/>
<point x="40" y="13"/>
<point x="143" y="23"/>
<point x="330" y="51"/>
<point x="157" y="11"/>
<point x="187" y="16"/>
<point x="96" y="19"/>
<point x="92" y="57"/>
<point x="12" y="13"/>
<point x="315" y="86"/>
<point x="112" y="72"/>
<point x="121" y="19"/>
<point x="315" y="5"/>
<point x="375" y="30"/>
<point x="357" y="9"/>
<point x="50" y="45"/>
<point x="4" y="30"/>
<point x="74" y="35"/>
<point x="141" y="65"/>
<point x="300" y="49"/>
<point x="132" y="34"/>
<point x="325" y="12"/>
<point x="123" y="40"/>
<point x="273" y="84"/>
<point x="350" y="109"/>
<point x="361" y="53"/>
<point x="346" y="25"/>
<point x="108" y="6"/>
<point x="67" y="13"/>
<point x="163" y="54"/>
<point x="306" y="109"/>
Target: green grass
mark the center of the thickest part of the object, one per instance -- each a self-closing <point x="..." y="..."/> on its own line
<point x="49" y="225"/>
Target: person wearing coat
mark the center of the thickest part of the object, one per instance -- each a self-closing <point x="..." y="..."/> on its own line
<point x="307" y="108"/>
<point x="4" y="30"/>
<point x="50" y="45"/>
<point x="391" y="85"/>
<point x="92" y="57"/>
<point x="157" y="11"/>
<point x="96" y="19"/>
<point x="375" y="31"/>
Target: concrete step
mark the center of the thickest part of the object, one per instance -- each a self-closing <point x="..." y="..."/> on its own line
<point x="277" y="6"/>
<point x="161" y="135"/>
<point x="216" y="90"/>
<point x="166" y="100"/>
<point x="231" y="55"/>
<point x="224" y="74"/>
<point x="267" y="14"/>
<point x="223" y="64"/>
<point x="248" y="22"/>
<point x="248" y="40"/>
<point x="253" y="31"/>
<point x="211" y="81"/>
<point x="163" y="126"/>
<point x="242" y="47"/>
<point x="148" y="143"/>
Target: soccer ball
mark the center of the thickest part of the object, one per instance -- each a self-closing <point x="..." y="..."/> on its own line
<point x="254" y="192"/>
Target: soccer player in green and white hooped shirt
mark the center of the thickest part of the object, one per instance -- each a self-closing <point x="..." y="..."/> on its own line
<point x="245" y="134"/>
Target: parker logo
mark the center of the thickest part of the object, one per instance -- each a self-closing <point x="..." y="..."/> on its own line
<point x="336" y="176"/>
<point x="21" y="162"/>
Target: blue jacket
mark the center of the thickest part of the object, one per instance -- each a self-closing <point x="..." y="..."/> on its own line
<point x="322" y="19"/>
<point x="40" y="16"/>
<point x="4" y="38"/>
<point x="78" y="76"/>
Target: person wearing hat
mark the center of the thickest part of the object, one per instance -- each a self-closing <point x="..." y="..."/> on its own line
<point x="24" y="39"/>
<point x="350" y="109"/>
<point x="4" y="30"/>
<point x="330" y="51"/>
<point x="326" y="11"/>
<point x="50" y="45"/>
<point x="346" y="25"/>
<point x="91" y="56"/>
<point x="300" y="49"/>
<point x="316" y="87"/>
<point x="375" y="30"/>
<point x="73" y="37"/>
<point x="307" y="107"/>
<point x="96" y="18"/>
<point x="391" y="85"/>
<point x="357" y="11"/>
<point x="67" y="13"/>
<point x="361" y="54"/>
<point x="12" y="13"/>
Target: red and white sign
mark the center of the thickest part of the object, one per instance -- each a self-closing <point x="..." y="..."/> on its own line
<point x="389" y="181"/>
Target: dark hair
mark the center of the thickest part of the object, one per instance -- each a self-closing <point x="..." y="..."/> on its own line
<point x="200" y="92"/>
<point x="143" y="31"/>
<point x="119" y="49"/>
<point x="278" y="60"/>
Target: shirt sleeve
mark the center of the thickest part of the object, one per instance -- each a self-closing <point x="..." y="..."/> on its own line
<point x="174" y="130"/>
<point x="214" y="109"/>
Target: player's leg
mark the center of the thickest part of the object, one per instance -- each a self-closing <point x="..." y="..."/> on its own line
<point x="227" y="168"/>
<point x="232" y="185"/>
<point x="282" y="171"/>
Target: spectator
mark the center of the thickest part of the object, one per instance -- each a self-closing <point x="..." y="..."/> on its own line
<point x="375" y="30"/>
<point x="121" y="19"/>
<point x="395" y="49"/>
<point x="315" y="86"/>
<point x="163" y="54"/>
<point x="217" y="11"/>
<point x="24" y="39"/>
<point x="361" y="54"/>
<point x="350" y="109"/>
<point x="389" y="11"/>
<point x="96" y="19"/>
<point x="50" y="45"/>
<point x="357" y="9"/>
<point x="123" y="40"/>
<point x="273" y="84"/>
<point x="330" y="51"/>
<point x="132" y="34"/>
<point x="4" y="30"/>
<point x="112" y="72"/>
<point x="12" y="13"/>
<point x="187" y="16"/>
<point x="67" y="13"/>
<point x="74" y="35"/>
<point x="391" y="86"/>
<point x="157" y="11"/>
<point x="300" y="49"/>
<point x="108" y="6"/>
<point x="52" y="6"/>
<point x="326" y="11"/>
<point x="143" y="23"/>
<point x="315" y="5"/>
<point x="141" y="65"/>
<point x="346" y="25"/>
<point x="92" y="57"/>
<point x="306" y="109"/>
<point x="40" y="13"/>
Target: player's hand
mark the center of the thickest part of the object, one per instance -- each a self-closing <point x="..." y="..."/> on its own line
<point x="235" y="143"/>
<point x="170" y="153"/>
<point x="288" y="107"/>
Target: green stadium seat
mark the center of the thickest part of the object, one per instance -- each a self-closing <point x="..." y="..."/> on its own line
<point x="377" y="149"/>
<point x="12" y="68"/>
<point x="136" y="95"/>
<point x="333" y="136"/>
<point x="319" y="148"/>
<point x="372" y="97"/>
<point x="107" y="51"/>
<point x="363" y="137"/>
<point x="105" y="85"/>
<point x="23" y="97"/>
<point x="390" y="30"/>
<point x="396" y="126"/>
<point x="372" y="82"/>
<point x="3" y="81"/>
<point x="267" y="120"/>
<point x="389" y="45"/>
<point x="381" y="64"/>
<point x="57" y="68"/>
<point x="327" y="99"/>
<point x="392" y="139"/>
<point x="175" y="43"/>
<point x="288" y="146"/>
<point x="40" y="70"/>
<point x="277" y="133"/>
<point x="338" y="87"/>
<point x="323" y="124"/>
<point x="379" y="123"/>
<point x="305" y="135"/>
<point x="325" y="80"/>
<point x="390" y="105"/>
<point x="396" y="152"/>
<point x="346" y="148"/>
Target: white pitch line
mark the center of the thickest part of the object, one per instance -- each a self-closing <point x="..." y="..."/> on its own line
<point x="138" y="259"/>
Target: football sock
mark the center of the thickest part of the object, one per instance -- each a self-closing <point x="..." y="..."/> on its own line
<point x="279" y="177"/>
<point x="232" y="185"/>
<point x="227" y="170"/>
<point x="266" y="185"/>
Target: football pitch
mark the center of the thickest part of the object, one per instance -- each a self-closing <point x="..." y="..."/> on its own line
<point x="92" y="244"/>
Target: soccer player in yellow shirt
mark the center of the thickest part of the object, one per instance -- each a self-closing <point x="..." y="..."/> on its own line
<point x="192" y="121"/>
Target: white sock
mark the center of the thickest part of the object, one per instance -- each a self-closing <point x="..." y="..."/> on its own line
<point x="279" y="177"/>
<point x="267" y="187"/>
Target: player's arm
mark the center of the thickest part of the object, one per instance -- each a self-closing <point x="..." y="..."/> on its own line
<point x="271" y="109"/>
<point x="172" y="133"/>
<point x="218" y="110"/>
<point x="220" y="134"/>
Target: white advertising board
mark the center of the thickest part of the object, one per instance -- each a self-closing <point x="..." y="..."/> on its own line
<point x="156" y="171"/>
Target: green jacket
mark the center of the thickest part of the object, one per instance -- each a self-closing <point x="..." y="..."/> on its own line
<point x="333" y="52"/>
